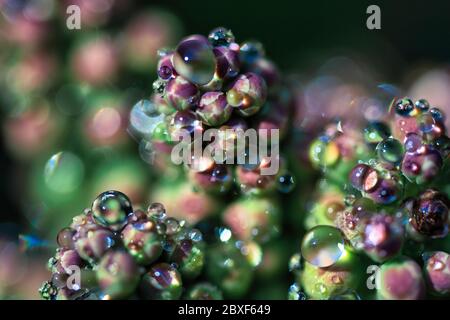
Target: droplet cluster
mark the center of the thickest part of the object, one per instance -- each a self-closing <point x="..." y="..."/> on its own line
<point x="213" y="82"/>
<point x="381" y="208"/>
<point x="112" y="251"/>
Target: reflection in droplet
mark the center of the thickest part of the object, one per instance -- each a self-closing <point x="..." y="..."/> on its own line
<point x="144" y="117"/>
<point x="63" y="172"/>
<point x="322" y="246"/>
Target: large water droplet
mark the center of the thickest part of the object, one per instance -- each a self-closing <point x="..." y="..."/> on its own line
<point x="194" y="60"/>
<point x="144" y="117"/>
<point x="63" y="172"/>
<point x="322" y="246"/>
<point x="111" y="209"/>
<point x="390" y="150"/>
<point x="376" y="131"/>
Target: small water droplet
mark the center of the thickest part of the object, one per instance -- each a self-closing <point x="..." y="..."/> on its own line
<point x="322" y="246"/>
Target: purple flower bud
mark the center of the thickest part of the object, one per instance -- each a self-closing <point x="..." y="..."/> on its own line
<point x="429" y="214"/>
<point x="364" y="178"/>
<point x="165" y="68"/>
<point x="217" y="178"/>
<point x="65" y="238"/>
<point x="162" y="282"/>
<point x="423" y="165"/>
<point x="248" y="94"/>
<point x="161" y="104"/>
<point x="181" y="94"/>
<point x="383" y="237"/>
<point x="65" y="259"/>
<point x="253" y="219"/>
<point x="268" y="70"/>
<point x="437" y="272"/>
<point x="92" y="241"/>
<point x="184" y="121"/>
<point x="227" y="63"/>
<point x="214" y="109"/>
<point x="413" y="142"/>
<point x="117" y="274"/>
<point x="142" y="241"/>
<point x="400" y="279"/>
<point x="386" y="192"/>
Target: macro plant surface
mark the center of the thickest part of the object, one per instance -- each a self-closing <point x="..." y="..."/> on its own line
<point x="377" y="229"/>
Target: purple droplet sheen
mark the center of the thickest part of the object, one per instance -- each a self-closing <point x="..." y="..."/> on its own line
<point x="423" y="165"/>
<point x="227" y="62"/>
<point x="65" y="238"/>
<point x="383" y="237"/>
<point x="429" y="215"/>
<point x="359" y="174"/>
<point x="386" y="192"/>
<point x="165" y="67"/>
<point x="268" y="70"/>
<point x="165" y="72"/>
<point x="412" y="142"/>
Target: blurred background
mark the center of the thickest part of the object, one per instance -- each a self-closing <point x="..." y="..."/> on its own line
<point x="65" y="95"/>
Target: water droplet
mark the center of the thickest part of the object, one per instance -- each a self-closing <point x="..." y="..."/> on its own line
<point x="404" y="107"/>
<point x="65" y="238"/>
<point x="253" y="252"/>
<point x="144" y="117"/>
<point x="157" y="211"/>
<point x="224" y="234"/>
<point x="165" y="72"/>
<point x="324" y="153"/>
<point x="426" y="123"/>
<point x="221" y="37"/>
<point x="412" y="142"/>
<point x="322" y="246"/>
<point x="64" y="172"/>
<point x="111" y="208"/>
<point x="194" y="60"/>
<point x="376" y="132"/>
<point x="437" y="114"/>
<point x="286" y="183"/>
<point x="294" y="293"/>
<point x="390" y="150"/>
<point x="172" y="226"/>
<point x="159" y="86"/>
<point x="195" y="235"/>
<point x="336" y="279"/>
<point x="422" y="105"/>
<point x="250" y="51"/>
<point x="437" y="264"/>
<point x="295" y="262"/>
<point x="321" y="288"/>
<point x="162" y="282"/>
